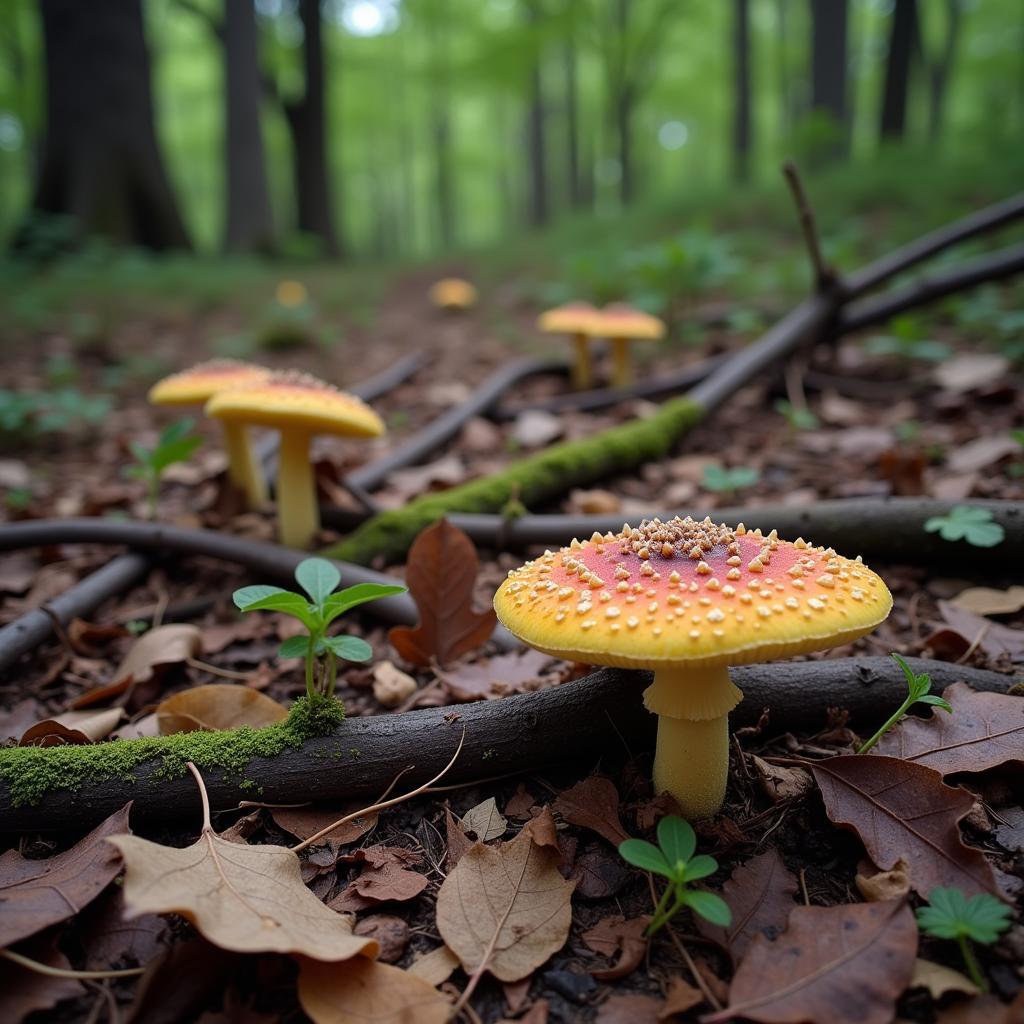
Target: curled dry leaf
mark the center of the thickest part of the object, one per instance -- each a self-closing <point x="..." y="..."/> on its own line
<point x="75" y="727"/>
<point x="593" y="804"/>
<point x="368" y="992"/>
<point x="984" y="731"/>
<point x="436" y="966"/>
<point x="846" y="964"/>
<point x="779" y="783"/>
<point x="760" y="895"/>
<point x="506" y="908"/>
<point x="940" y="980"/>
<point x="441" y="576"/>
<point x="877" y="886"/>
<point x="485" y="821"/>
<point x="217" y="706"/>
<point x="618" y="939"/>
<point x="904" y="811"/>
<point x="680" y="997"/>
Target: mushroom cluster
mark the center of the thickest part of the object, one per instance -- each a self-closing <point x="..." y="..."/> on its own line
<point x="687" y="599"/>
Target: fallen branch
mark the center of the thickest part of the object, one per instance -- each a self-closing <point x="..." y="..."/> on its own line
<point x="576" y="724"/>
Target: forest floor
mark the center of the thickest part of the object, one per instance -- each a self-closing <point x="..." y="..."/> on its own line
<point x="863" y="420"/>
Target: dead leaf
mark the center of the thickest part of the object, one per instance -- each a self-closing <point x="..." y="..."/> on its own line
<point x="381" y="883"/>
<point x="72" y="727"/>
<point x="457" y="840"/>
<point x="983" y="1010"/>
<point x="598" y="875"/>
<point x="217" y="706"/>
<point x="595" y="502"/>
<point x="993" y="638"/>
<point x="537" y="1014"/>
<point x="840" y="964"/>
<point x="680" y="997"/>
<point x="366" y="992"/>
<point x="22" y="716"/>
<point x="305" y="822"/>
<point x="593" y="804"/>
<point x="519" y="803"/>
<point x="441" y="576"/>
<point x="940" y="980"/>
<point x="485" y="821"/>
<point x="535" y="427"/>
<point x="436" y="966"/>
<point x="984" y="731"/>
<point x="391" y="686"/>
<point x="35" y="894"/>
<point x="988" y="601"/>
<point x="389" y="932"/>
<point x="903" y="810"/>
<point x="111" y="942"/>
<point x="1010" y="832"/>
<point x="506" y="908"/>
<point x="981" y="453"/>
<point x="879" y="886"/>
<point x="629" y="1009"/>
<point x="23" y="991"/>
<point x="616" y="938"/>
<point x="969" y="371"/>
<point x="499" y="676"/>
<point x="779" y="783"/>
<point x="760" y="895"/>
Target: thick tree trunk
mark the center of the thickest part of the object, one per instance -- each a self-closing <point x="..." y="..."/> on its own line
<point x="742" y="129"/>
<point x="574" y="186"/>
<point x="828" y="67"/>
<point x="249" y="221"/>
<point x="101" y="163"/>
<point x="903" y="39"/>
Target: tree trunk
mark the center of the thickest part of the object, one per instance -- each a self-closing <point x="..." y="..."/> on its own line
<point x="306" y="120"/>
<point x="828" y="67"/>
<point x="249" y="221"/>
<point x="537" y="210"/>
<point x="742" y="131"/>
<point x="940" y="70"/>
<point x="101" y="163"/>
<point x="903" y="38"/>
<point x="574" y="187"/>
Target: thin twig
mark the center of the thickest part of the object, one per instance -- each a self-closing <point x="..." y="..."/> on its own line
<point x="824" y="276"/>
<point x="215" y="670"/>
<point x="63" y="972"/>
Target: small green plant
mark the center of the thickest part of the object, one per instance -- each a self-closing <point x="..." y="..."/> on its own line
<point x="728" y="481"/>
<point x="37" y="413"/>
<point x="951" y="915"/>
<point x="969" y="523"/>
<point x="906" y="340"/>
<point x="316" y="611"/>
<point x="798" y="417"/>
<point x="917" y="693"/>
<point x="175" y="444"/>
<point x="673" y="858"/>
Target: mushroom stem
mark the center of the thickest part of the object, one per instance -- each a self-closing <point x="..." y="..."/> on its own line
<point x="244" y="470"/>
<point x="622" y="365"/>
<point x="691" y="757"/>
<point x="298" y="517"/>
<point x="581" y="377"/>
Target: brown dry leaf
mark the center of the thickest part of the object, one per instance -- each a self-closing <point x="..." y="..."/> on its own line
<point x="506" y="908"/>
<point x="537" y="1014"/>
<point x="989" y="601"/>
<point x="519" y="803"/>
<point x="35" y="894"/>
<point x="983" y="1010"/>
<point x="617" y="937"/>
<point x="905" y="811"/>
<point x="629" y="1009"/>
<point x="485" y="821"/>
<point x="23" y="991"/>
<point x="499" y="676"/>
<point x="995" y="639"/>
<point x="380" y="884"/>
<point x="969" y="371"/>
<point x="217" y="706"/>
<point x="984" y="731"/>
<point x="22" y="716"/>
<point x="441" y="576"/>
<point x="304" y="822"/>
<point x="883" y="885"/>
<point x="941" y="980"/>
<point x="598" y="874"/>
<point x="981" y="453"/>
<point x="779" y="783"/>
<point x="436" y="966"/>
<point x="760" y="895"/>
<point x="367" y="992"/>
<point x="248" y="899"/>
<point x="458" y="842"/>
<point x="109" y="941"/>
<point x="840" y="964"/>
<point x="391" y="686"/>
<point x="680" y="997"/>
<point x="389" y="932"/>
<point x="75" y="727"/>
<point x="593" y="804"/>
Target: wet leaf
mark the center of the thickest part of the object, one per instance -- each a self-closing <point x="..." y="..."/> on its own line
<point x="903" y="810"/>
<point x="441" y="576"/>
<point x="984" y="731"/>
<point x="217" y="706"/>
<point x="593" y="804"/>
<point x="485" y="821"/>
<point x="839" y="964"/>
<point x="506" y="908"/>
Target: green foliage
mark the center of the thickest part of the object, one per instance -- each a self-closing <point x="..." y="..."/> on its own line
<point x="175" y="444"/>
<point x="918" y="687"/>
<point x="316" y="610"/>
<point x="28" y="414"/>
<point x="969" y="523"/>
<point x="674" y="859"/>
<point x="907" y="341"/>
<point x="798" y="417"/>
<point x="721" y="480"/>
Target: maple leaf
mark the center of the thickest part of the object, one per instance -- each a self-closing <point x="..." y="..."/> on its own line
<point x="441" y="574"/>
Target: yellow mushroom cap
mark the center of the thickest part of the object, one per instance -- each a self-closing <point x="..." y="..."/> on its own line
<point x="204" y="380"/>
<point x="621" y="321"/>
<point x="686" y="592"/>
<point x="570" y="318"/>
<point x="297" y="401"/>
<point x="452" y="293"/>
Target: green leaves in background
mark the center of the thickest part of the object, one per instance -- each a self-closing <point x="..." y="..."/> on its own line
<point x="175" y="444"/>
<point x="969" y="523"/>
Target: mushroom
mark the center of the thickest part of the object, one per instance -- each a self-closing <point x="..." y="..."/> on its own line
<point x="687" y="599"/>
<point x="299" y="406"/>
<point x="199" y="385"/>
<point x="621" y="325"/>
<point x="452" y="293"/>
<point x="575" y="319"/>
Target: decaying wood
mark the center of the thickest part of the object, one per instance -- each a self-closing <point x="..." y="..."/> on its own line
<point x="578" y="724"/>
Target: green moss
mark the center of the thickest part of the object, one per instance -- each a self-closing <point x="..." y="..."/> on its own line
<point x="529" y="481"/>
<point x="31" y="772"/>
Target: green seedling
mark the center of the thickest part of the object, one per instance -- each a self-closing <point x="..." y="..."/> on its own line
<point x="728" y="481"/>
<point x="969" y="523"/>
<point x="673" y="858"/>
<point x="798" y="417"/>
<point x="907" y="341"/>
<point x="316" y="610"/>
<point x="917" y="693"/>
<point x="175" y="444"/>
<point x="951" y="915"/>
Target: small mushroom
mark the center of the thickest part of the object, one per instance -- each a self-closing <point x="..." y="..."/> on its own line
<point x="299" y="406"/>
<point x="687" y="599"/>
<point x="622" y="325"/>
<point x="452" y="294"/>
<point x="199" y="385"/>
<point x="574" y="319"/>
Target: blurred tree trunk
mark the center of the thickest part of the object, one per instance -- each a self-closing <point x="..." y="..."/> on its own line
<point x="904" y="38"/>
<point x="537" y="207"/>
<point x="441" y="132"/>
<point x="828" y="67"/>
<point x="623" y="113"/>
<point x="250" y="226"/>
<point x="574" y="187"/>
<point x="306" y="119"/>
<point x="787" y="114"/>
<point x="101" y="163"/>
<point x="742" y="129"/>
<point x="940" y="70"/>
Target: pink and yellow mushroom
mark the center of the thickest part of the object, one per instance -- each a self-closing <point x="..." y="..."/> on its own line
<point x="575" y="319"/>
<point x="622" y="325"/>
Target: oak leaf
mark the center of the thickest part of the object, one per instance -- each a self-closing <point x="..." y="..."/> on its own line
<point x="840" y="964"/>
<point x="441" y="575"/>
<point x="905" y="811"/>
<point x="593" y="804"/>
<point x="506" y="908"/>
<point x="217" y="706"/>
